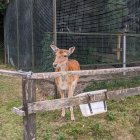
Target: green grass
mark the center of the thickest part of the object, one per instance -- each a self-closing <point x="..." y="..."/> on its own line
<point x="119" y="123"/>
<point x="114" y="84"/>
<point x="10" y="96"/>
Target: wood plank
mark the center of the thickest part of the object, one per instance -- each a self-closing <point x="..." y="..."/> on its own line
<point x="47" y="105"/>
<point x="123" y="93"/>
<point x="29" y="120"/>
<point x="14" y="73"/>
<point x="74" y="101"/>
<point x="83" y="72"/>
<point x="49" y="75"/>
<point x="66" y="102"/>
<point x="19" y="111"/>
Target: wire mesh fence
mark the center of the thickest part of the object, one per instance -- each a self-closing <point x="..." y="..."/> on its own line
<point x="95" y="28"/>
<point x="101" y="49"/>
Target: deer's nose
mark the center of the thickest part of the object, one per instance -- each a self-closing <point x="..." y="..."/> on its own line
<point x="54" y="65"/>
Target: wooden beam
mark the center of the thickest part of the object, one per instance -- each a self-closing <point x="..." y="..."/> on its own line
<point x="66" y="102"/>
<point x="119" y="47"/>
<point x="74" y="101"/>
<point x="99" y="95"/>
<point x="48" y="75"/>
<point x="13" y="73"/>
<point x="83" y="72"/>
<point x="19" y="111"/>
<point x="29" y="120"/>
<point x="123" y="93"/>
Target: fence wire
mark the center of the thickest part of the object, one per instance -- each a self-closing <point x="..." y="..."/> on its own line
<point x="29" y="31"/>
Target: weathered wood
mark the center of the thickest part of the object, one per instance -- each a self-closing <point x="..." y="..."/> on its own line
<point x="19" y="111"/>
<point x="119" y="47"/>
<point x="29" y="120"/>
<point x="42" y="106"/>
<point x="66" y="102"/>
<point x="74" y="101"/>
<point x="83" y="72"/>
<point x="123" y="93"/>
<point x="13" y="73"/>
<point x="48" y="75"/>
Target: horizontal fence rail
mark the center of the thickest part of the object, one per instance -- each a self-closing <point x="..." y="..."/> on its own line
<point x="49" y="75"/>
<point x="92" y="96"/>
<point x="83" y="72"/>
<point x="101" y="34"/>
<point x="88" y="97"/>
<point x="15" y="73"/>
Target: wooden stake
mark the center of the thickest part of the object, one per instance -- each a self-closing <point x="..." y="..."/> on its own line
<point x="119" y="47"/>
<point x="29" y="120"/>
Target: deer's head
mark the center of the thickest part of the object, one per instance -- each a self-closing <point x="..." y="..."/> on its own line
<point x="61" y="55"/>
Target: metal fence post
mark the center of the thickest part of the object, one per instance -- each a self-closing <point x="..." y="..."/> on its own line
<point x="29" y="120"/>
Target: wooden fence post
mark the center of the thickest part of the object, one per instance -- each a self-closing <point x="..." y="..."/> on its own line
<point x="29" y="120"/>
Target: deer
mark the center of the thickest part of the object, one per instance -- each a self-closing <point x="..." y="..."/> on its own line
<point x="67" y="83"/>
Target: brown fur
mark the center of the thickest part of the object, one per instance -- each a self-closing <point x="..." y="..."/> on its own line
<point x="67" y="83"/>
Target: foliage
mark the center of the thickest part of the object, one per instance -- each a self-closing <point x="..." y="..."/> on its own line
<point x="2" y="7"/>
<point x="114" y="10"/>
<point x="133" y="49"/>
<point x="61" y="136"/>
<point x="110" y="116"/>
<point x="47" y="135"/>
<point x="47" y="57"/>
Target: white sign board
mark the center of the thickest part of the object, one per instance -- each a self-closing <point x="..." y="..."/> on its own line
<point x="93" y="108"/>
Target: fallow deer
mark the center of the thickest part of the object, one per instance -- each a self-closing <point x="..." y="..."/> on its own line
<point x="67" y="83"/>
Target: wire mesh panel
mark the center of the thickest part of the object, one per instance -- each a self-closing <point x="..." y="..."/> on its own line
<point x="42" y="23"/>
<point x="95" y="28"/>
<point x="10" y="33"/>
<point x="91" y="15"/>
<point x="103" y="16"/>
<point x="25" y="34"/>
<point x="133" y="50"/>
<point x="92" y="49"/>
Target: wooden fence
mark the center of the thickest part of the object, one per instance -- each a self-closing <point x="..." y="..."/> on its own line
<point x="30" y="107"/>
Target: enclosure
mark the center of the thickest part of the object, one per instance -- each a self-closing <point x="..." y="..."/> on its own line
<point x="95" y="28"/>
<point x="122" y="116"/>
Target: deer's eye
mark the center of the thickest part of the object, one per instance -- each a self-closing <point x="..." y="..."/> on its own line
<point x="65" y="56"/>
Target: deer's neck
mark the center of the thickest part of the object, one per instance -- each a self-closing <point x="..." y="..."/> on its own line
<point x="64" y="67"/>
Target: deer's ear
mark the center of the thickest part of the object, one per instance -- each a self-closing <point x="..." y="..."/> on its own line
<point x="54" y="48"/>
<point x="71" y="50"/>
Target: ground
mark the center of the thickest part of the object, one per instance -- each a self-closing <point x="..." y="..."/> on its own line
<point x="121" y="122"/>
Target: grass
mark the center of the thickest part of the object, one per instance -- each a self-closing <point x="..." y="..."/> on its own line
<point x="114" y="84"/>
<point x="10" y="96"/>
<point x="119" y="123"/>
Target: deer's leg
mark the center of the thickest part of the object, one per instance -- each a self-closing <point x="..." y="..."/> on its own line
<point x="62" y="96"/>
<point x="70" y="94"/>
